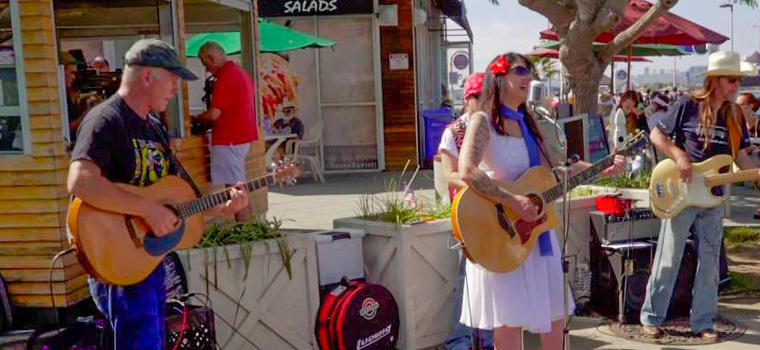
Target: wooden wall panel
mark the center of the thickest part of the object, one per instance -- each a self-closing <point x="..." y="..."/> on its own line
<point x="398" y="90"/>
<point x="33" y="195"/>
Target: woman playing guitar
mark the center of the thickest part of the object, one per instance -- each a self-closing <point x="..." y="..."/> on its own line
<point x="502" y="141"/>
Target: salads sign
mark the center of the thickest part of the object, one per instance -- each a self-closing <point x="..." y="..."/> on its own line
<point x="279" y="8"/>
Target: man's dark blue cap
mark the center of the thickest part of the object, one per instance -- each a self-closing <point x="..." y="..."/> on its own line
<point x="156" y="53"/>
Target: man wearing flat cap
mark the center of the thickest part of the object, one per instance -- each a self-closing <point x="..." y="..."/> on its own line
<point x="121" y="141"/>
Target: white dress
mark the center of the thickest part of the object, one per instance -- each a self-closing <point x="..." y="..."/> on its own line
<point x="530" y="296"/>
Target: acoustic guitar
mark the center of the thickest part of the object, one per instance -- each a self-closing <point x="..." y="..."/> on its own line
<point x="669" y="195"/>
<point x="121" y="249"/>
<point x="494" y="236"/>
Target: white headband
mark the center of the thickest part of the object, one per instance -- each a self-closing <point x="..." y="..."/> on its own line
<point x="658" y="100"/>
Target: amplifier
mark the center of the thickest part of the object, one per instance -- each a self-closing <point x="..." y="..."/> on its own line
<point x="637" y="224"/>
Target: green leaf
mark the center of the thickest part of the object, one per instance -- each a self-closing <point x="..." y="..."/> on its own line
<point x="285" y="253"/>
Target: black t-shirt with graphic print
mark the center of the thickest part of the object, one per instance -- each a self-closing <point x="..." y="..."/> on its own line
<point x="127" y="148"/>
<point x="689" y="131"/>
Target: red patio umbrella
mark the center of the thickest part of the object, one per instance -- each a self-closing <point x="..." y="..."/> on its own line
<point x="554" y="53"/>
<point x="667" y="29"/>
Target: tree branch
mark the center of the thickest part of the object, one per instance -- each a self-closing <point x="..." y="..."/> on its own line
<point x="558" y="12"/>
<point x="609" y="15"/>
<point x="630" y="35"/>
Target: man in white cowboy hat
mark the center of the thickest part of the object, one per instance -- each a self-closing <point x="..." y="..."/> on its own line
<point x="289" y="122"/>
<point x="703" y="126"/>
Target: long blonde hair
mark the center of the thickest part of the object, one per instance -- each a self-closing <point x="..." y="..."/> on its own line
<point x="705" y="97"/>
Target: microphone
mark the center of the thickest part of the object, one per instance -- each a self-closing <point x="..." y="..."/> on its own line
<point x="536" y="94"/>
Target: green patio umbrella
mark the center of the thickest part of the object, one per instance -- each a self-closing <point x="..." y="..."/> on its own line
<point x="638" y="50"/>
<point x="273" y="38"/>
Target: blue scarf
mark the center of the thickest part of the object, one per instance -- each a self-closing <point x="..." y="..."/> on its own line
<point x="544" y="240"/>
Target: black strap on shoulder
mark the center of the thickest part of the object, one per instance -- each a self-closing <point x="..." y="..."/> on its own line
<point x="677" y="133"/>
<point x="180" y="169"/>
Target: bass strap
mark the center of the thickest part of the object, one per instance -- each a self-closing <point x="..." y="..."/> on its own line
<point x="172" y="159"/>
<point x="735" y="131"/>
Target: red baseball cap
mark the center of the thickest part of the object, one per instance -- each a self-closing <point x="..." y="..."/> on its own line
<point x="473" y="85"/>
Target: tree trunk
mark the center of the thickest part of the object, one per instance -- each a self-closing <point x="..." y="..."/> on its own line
<point x="584" y="71"/>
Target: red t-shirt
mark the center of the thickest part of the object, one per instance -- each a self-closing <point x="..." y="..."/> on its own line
<point x="233" y="95"/>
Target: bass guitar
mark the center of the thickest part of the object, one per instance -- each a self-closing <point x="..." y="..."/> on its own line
<point x="669" y="195"/>
<point x="120" y="249"/>
<point x="494" y="236"/>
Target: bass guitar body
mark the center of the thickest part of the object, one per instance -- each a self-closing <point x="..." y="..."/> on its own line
<point x="120" y="249"/>
<point x="493" y="235"/>
<point x="670" y="196"/>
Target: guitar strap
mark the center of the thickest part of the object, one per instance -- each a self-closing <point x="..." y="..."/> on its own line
<point x="734" y="131"/>
<point x="180" y="169"/>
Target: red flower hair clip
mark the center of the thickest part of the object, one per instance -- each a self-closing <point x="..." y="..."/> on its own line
<point x="500" y="66"/>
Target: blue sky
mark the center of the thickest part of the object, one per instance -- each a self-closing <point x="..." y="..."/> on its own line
<point x="512" y="27"/>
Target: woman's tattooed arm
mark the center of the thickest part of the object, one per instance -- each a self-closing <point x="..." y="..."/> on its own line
<point x="475" y="141"/>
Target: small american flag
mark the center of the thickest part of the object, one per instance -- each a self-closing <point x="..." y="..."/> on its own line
<point x="409" y="197"/>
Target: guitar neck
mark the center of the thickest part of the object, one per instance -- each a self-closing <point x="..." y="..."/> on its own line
<point x="727" y="178"/>
<point x="584" y="176"/>
<point x="211" y="200"/>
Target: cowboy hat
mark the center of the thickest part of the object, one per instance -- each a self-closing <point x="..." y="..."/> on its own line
<point x="287" y="103"/>
<point x="749" y="68"/>
<point x="727" y="64"/>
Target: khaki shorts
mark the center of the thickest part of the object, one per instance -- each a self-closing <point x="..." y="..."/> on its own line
<point x="228" y="164"/>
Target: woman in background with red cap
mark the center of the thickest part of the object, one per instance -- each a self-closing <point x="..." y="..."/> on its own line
<point x="451" y="141"/>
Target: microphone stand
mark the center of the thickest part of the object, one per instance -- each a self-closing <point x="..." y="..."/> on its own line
<point x="565" y="170"/>
<point x="565" y="265"/>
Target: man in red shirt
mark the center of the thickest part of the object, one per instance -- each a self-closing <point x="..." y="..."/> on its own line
<point x="232" y="115"/>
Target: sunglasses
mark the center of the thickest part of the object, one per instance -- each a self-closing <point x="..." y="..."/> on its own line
<point x="521" y="70"/>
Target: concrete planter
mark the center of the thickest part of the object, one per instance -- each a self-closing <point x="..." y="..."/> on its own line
<point x="416" y="264"/>
<point x="275" y="311"/>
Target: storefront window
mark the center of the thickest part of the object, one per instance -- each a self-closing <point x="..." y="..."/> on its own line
<point x="337" y="87"/>
<point x="347" y="88"/>
<point x="12" y="116"/>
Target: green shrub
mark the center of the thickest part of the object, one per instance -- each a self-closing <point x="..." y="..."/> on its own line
<point x="734" y="235"/>
<point x="390" y="206"/>
<point x="221" y="235"/>
<point x="640" y="180"/>
<point x="738" y="283"/>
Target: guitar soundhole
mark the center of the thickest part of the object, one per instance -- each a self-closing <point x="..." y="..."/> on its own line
<point x="537" y="202"/>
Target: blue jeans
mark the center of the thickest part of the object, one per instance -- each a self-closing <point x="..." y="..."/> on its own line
<point x="461" y="336"/>
<point x="138" y="311"/>
<point x="708" y="235"/>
